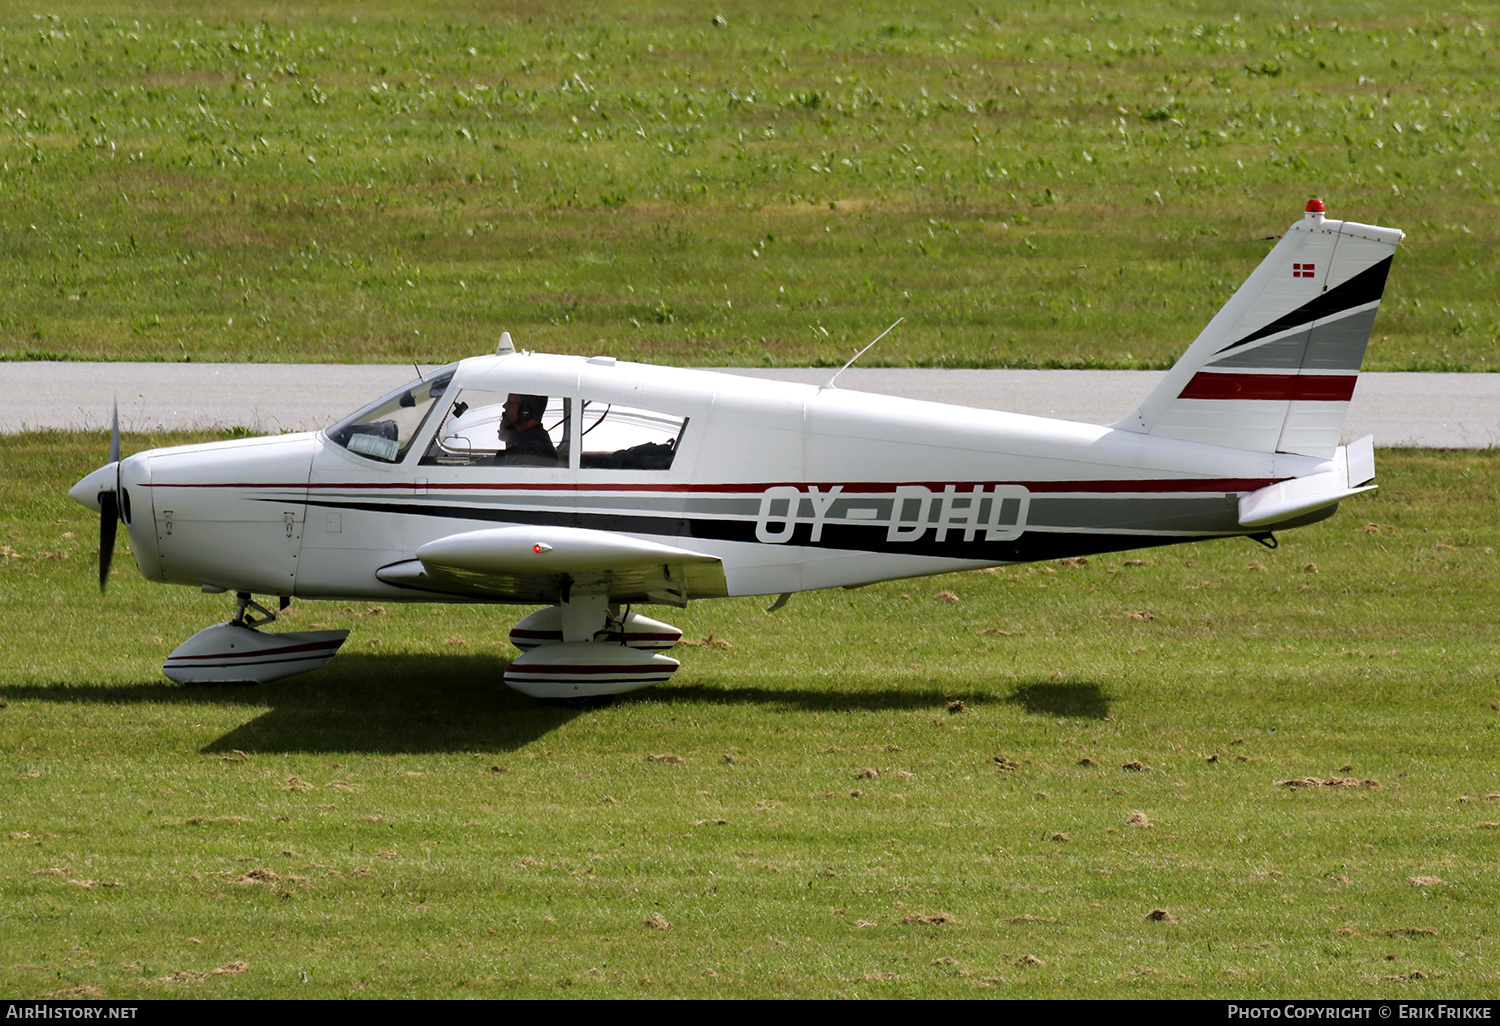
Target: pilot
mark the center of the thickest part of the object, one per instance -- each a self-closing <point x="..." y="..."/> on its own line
<point x="527" y="443"/>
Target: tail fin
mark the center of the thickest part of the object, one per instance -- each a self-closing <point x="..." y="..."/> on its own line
<point x="1275" y="369"/>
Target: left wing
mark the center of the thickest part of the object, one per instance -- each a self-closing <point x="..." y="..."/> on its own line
<point x="542" y="564"/>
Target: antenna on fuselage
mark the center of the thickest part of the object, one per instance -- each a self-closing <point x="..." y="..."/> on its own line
<point x="862" y="352"/>
<point x="534" y="331"/>
<point x="504" y="347"/>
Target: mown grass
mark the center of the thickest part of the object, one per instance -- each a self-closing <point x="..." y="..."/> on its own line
<point x="802" y="803"/>
<point x="1055" y="185"/>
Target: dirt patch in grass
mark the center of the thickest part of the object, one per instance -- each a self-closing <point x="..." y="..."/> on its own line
<point x="258" y="876"/>
<point x="194" y="975"/>
<point x="707" y="641"/>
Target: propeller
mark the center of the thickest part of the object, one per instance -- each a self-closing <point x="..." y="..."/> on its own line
<point x="102" y="492"/>
<point x="109" y="504"/>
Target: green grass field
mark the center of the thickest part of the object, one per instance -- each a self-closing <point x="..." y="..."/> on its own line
<point x="1287" y="756"/>
<point x="1048" y="185"/>
<point x="1201" y="771"/>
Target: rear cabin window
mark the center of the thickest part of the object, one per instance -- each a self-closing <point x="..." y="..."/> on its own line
<point x="615" y="437"/>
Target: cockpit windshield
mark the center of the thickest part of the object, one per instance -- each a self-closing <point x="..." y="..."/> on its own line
<point x="385" y="429"/>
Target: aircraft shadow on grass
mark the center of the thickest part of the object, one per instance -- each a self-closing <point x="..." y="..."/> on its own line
<point x="1080" y="700"/>
<point x="399" y="704"/>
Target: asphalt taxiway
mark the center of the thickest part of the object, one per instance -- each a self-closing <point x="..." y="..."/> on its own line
<point x="1446" y="411"/>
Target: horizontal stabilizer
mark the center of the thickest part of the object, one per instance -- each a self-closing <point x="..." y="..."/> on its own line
<point x="1353" y="472"/>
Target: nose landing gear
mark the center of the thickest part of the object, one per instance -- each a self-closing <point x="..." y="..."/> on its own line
<point x="238" y="652"/>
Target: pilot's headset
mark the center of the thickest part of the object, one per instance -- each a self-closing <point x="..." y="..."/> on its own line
<point x="530" y="408"/>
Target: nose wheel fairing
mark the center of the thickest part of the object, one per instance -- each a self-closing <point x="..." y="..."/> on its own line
<point x="238" y="652"/>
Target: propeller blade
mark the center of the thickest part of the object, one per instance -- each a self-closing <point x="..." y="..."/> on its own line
<point x="109" y="504"/>
<point x="108" y="518"/>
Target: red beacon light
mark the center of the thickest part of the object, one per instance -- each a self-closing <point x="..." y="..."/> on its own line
<point x="1315" y="206"/>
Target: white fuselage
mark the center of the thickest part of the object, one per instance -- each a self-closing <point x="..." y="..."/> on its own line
<point x="791" y="487"/>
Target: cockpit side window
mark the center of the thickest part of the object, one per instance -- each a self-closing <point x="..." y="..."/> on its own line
<point x="482" y="427"/>
<point x="385" y="429"/>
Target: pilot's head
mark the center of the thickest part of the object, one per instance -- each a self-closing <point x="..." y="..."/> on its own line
<point x="523" y="411"/>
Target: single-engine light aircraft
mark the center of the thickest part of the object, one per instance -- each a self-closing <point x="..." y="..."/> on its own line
<point x="591" y="486"/>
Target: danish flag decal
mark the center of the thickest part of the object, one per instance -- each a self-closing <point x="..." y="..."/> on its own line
<point x="1304" y="270"/>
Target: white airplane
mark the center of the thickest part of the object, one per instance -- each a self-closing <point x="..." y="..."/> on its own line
<point x="590" y="486"/>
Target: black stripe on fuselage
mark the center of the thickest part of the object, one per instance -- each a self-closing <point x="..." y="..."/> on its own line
<point x="1031" y="546"/>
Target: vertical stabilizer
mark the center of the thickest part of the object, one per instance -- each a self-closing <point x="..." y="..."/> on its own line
<point x="1275" y="369"/>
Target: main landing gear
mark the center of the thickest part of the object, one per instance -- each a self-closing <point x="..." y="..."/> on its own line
<point x="585" y="647"/>
<point x="579" y="649"/>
